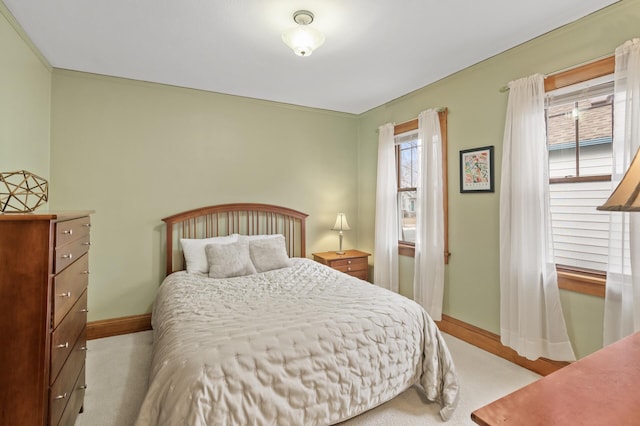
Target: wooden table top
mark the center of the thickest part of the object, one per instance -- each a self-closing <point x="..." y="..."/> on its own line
<point x="600" y="389"/>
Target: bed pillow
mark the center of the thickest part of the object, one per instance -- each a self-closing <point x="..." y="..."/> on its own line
<point x="229" y="260"/>
<point x="194" y="253"/>
<point x="269" y="253"/>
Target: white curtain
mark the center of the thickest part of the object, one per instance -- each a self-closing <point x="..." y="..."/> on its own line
<point x="428" y="279"/>
<point x="531" y="320"/>
<point x="622" y="300"/>
<point x="385" y="273"/>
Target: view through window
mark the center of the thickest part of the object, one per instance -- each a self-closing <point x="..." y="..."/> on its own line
<point x="579" y="138"/>
<point x="408" y="173"/>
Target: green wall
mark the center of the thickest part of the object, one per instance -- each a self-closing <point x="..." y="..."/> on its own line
<point x="476" y="118"/>
<point x="137" y="152"/>
<point x="25" y="86"/>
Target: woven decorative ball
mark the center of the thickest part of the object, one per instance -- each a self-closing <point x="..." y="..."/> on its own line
<point x="22" y="191"/>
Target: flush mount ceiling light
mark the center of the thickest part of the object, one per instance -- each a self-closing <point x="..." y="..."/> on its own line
<point x="303" y="39"/>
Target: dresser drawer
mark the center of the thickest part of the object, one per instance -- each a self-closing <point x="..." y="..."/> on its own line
<point x="68" y="253"/>
<point x="68" y="286"/>
<point x="65" y="336"/>
<point x="69" y="230"/>
<point x="63" y="390"/>
<point x="76" y="400"/>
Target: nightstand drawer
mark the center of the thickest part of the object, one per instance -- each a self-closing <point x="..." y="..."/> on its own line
<point x="352" y="262"/>
<point x="363" y="275"/>
<point x="359" y="266"/>
<point x="356" y="263"/>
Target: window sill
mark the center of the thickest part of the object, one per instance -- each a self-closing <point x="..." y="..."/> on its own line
<point x="582" y="283"/>
<point x="567" y="280"/>
<point x="406" y="249"/>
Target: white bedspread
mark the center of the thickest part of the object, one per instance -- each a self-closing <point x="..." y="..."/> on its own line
<point x="303" y="345"/>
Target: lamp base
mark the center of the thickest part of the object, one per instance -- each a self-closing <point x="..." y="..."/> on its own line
<point x="339" y="252"/>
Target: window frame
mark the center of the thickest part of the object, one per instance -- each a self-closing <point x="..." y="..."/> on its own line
<point x="573" y="279"/>
<point x="406" y="248"/>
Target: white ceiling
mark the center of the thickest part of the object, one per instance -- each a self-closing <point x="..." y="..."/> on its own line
<point x="375" y="50"/>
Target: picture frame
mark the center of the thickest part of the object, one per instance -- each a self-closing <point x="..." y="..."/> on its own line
<point x="476" y="170"/>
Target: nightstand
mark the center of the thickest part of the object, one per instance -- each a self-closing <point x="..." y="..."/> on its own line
<point x="352" y="262"/>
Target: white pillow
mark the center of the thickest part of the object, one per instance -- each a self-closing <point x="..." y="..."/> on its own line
<point x="269" y="253"/>
<point x="194" y="253"/>
<point x="229" y="260"/>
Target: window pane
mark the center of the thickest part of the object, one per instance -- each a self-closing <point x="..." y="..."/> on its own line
<point x="561" y="139"/>
<point x="409" y="164"/>
<point x="595" y="131"/>
<point x="580" y="232"/>
<point x="407" y="209"/>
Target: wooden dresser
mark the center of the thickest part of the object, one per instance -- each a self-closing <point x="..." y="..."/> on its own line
<point x="44" y="274"/>
<point x="352" y="262"/>
<point x="600" y="389"/>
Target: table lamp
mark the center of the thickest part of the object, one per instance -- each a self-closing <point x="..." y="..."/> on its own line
<point x="341" y="225"/>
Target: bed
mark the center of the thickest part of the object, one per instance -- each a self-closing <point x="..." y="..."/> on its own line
<point x="292" y="342"/>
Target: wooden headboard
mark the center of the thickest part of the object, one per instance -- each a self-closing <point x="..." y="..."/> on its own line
<point x="238" y="218"/>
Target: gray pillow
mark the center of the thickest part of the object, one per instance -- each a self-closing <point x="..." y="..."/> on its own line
<point x="229" y="260"/>
<point x="269" y="253"/>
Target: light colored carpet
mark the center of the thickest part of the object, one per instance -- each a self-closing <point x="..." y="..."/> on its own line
<point x="118" y="368"/>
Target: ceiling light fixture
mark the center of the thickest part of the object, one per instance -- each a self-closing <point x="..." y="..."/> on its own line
<point x="303" y="39"/>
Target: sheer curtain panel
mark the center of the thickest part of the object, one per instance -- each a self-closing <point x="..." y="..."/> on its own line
<point x="622" y="299"/>
<point x="428" y="278"/>
<point x="531" y="319"/>
<point x="385" y="273"/>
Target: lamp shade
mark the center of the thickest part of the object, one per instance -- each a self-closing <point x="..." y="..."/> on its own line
<point x="341" y="223"/>
<point x="625" y="197"/>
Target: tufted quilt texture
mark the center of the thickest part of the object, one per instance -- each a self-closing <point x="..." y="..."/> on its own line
<point x="302" y="345"/>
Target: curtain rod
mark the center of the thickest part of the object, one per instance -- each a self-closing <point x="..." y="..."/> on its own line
<point x="504" y="89"/>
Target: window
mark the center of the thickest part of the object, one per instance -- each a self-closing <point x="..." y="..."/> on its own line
<point x="407" y="143"/>
<point x="579" y="138"/>
<point x="579" y="116"/>
<point x="407" y="168"/>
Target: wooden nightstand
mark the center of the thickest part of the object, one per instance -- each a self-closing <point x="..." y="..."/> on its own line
<point x="352" y="262"/>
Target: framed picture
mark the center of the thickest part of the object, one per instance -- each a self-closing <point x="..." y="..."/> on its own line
<point x="476" y="169"/>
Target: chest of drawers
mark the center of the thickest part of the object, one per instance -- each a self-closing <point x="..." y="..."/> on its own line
<point x="352" y="262"/>
<point x="44" y="275"/>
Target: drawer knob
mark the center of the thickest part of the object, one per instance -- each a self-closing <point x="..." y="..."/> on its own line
<point x="67" y="294"/>
<point x="85" y="272"/>
<point x="349" y="262"/>
<point x="67" y="256"/>
<point x="63" y="345"/>
<point x="68" y="231"/>
<point x="83" y="348"/>
<point x="63" y="396"/>
<point x="83" y="387"/>
<point x="86" y="225"/>
<point x="88" y="243"/>
<point x="83" y="310"/>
